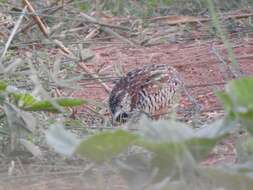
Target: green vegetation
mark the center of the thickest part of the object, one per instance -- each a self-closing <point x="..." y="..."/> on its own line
<point x="39" y="75"/>
<point x="19" y="124"/>
<point x="173" y="148"/>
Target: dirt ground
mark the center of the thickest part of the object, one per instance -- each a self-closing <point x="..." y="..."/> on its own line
<point x="202" y="62"/>
<point x="203" y="66"/>
<point x="200" y="68"/>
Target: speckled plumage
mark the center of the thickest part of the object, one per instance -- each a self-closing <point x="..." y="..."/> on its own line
<point x="151" y="89"/>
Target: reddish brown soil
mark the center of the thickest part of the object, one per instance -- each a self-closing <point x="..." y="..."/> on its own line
<point x="197" y="65"/>
<point x="195" y="61"/>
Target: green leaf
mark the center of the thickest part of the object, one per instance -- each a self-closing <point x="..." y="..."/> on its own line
<point x="200" y="147"/>
<point x="18" y="119"/>
<point x="249" y="145"/>
<point x="241" y="92"/>
<point x="180" y="135"/>
<point x="28" y="102"/>
<point x="165" y="131"/>
<point x="31" y="147"/>
<point x="176" y="145"/>
<point x="3" y="86"/>
<point x="168" y="157"/>
<point x="244" y="149"/>
<point x="24" y="99"/>
<point x="224" y="178"/>
<point x="105" y="145"/>
<point x="47" y="105"/>
<point x="61" y="140"/>
<point x="238" y="101"/>
<point x="84" y="6"/>
<point x="227" y="103"/>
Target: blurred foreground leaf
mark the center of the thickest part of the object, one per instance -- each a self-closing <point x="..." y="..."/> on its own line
<point x="229" y="178"/>
<point x="47" y="105"/>
<point x="30" y="103"/>
<point x="163" y="150"/>
<point x="238" y="101"/>
<point x="32" y="148"/>
<point x="177" y="136"/>
<point x="24" y="99"/>
<point x="3" y="86"/>
<point x="61" y="140"/>
<point x="165" y="138"/>
<point x="19" y="123"/>
<point x="105" y="145"/>
<point x="18" y="119"/>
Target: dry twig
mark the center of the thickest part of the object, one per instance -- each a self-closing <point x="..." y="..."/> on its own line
<point x="12" y="36"/>
<point x="87" y="70"/>
<point x="26" y="27"/>
<point x="108" y="30"/>
<point x="177" y="20"/>
<point x="36" y="18"/>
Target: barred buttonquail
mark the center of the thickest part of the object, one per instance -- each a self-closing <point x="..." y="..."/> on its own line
<point x="151" y="90"/>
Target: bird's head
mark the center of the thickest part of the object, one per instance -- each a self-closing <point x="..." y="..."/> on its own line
<point x="121" y="117"/>
<point x="119" y="104"/>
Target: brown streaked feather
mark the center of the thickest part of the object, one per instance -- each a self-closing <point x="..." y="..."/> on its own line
<point x="150" y="89"/>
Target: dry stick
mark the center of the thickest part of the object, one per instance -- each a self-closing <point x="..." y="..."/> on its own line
<point x="51" y="12"/>
<point x="174" y="20"/>
<point x="36" y="18"/>
<point x="43" y="28"/>
<point x="235" y="68"/>
<point x="44" y="15"/>
<point x="92" y="34"/>
<point x="223" y="63"/>
<point x="59" y="43"/>
<point x="87" y="70"/>
<point x="12" y="36"/>
<point x="92" y="74"/>
<point x="87" y="41"/>
<point x="205" y="85"/>
<point x="108" y="25"/>
<point x="65" y="50"/>
<point x="108" y="30"/>
<point x="69" y="54"/>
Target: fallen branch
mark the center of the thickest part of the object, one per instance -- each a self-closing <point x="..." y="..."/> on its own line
<point x="177" y="20"/>
<point x="26" y="27"/>
<point x="65" y="50"/>
<point x="107" y="29"/>
<point x="60" y="45"/>
<point x="69" y="54"/>
<point x="36" y="18"/>
<point x="95" y="76"/>
<point x="12" y="36"/>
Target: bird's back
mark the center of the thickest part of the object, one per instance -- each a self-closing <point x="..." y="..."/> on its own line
<point x="151" y="89"/>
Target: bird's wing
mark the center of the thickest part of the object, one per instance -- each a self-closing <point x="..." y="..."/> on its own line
<point x="149" y="80"/>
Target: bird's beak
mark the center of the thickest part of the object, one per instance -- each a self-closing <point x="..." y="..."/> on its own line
<point x="115" y="116"/>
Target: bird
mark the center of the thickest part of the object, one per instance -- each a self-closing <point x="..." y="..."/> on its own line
<point x="151" y="90"/>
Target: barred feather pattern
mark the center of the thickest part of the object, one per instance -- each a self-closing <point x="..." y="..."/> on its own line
<point x="151" y="89"/>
